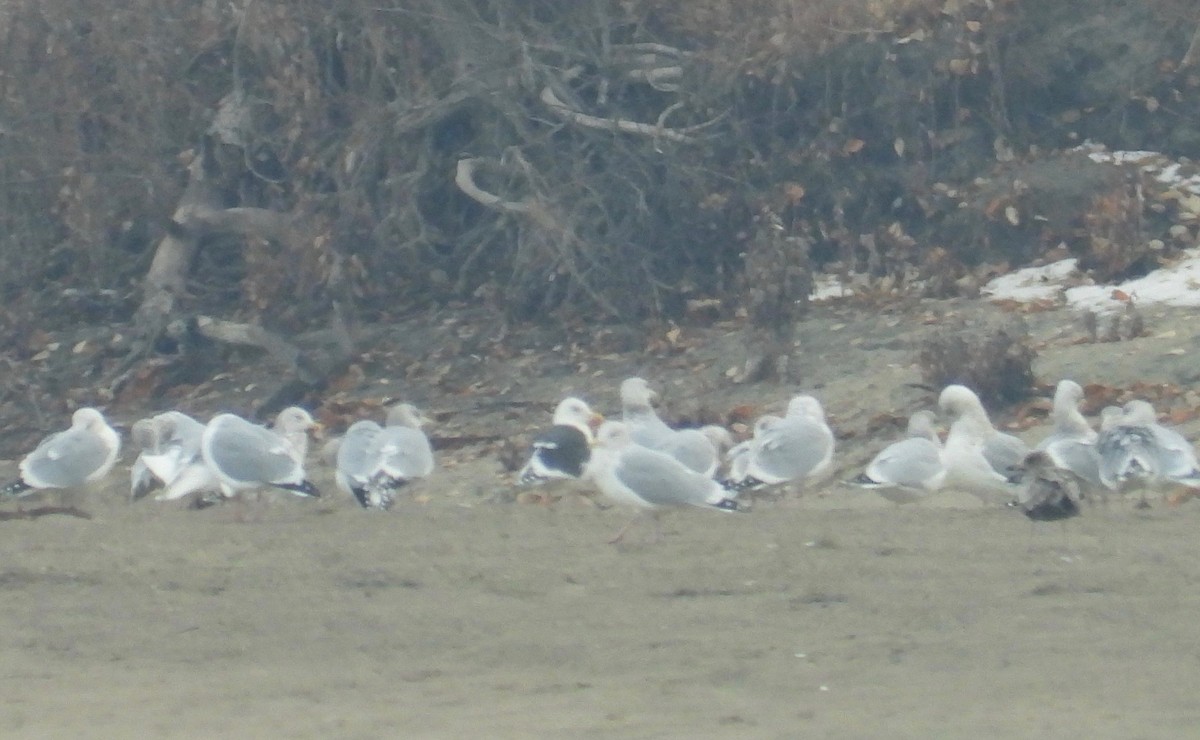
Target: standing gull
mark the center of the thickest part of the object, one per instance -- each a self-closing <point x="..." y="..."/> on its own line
<point x="797" y="447"/>
<point x="83" y="453"/>
<point x="243" y="456"/>
<point x="649" y="480"/>
<point x="907" y="470"/>
<point x="563" y="450"/>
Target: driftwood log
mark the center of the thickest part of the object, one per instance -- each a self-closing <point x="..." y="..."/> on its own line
<point x="163" y="316"/>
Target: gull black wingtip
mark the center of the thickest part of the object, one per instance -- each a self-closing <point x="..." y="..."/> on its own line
<point x="304" y="488"/>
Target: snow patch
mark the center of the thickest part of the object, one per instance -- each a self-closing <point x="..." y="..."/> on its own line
<point x="1030" y="284"/>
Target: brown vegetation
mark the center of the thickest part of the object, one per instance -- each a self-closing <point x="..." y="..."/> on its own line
<point x="994" y="360"/>
<point x="260" y="161"/>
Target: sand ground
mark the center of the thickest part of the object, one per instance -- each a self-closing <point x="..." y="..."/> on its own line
<point x="831" y="614"/>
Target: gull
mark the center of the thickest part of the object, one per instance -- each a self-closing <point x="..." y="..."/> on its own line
<point x="401" y="453"/>
<point x="242" y="456"/>
<point x="562" y="450"/>
<point x="1176" y="457"/>
<point x="645" y="428"/>
<point x="1048" y="492"/>
<point x="1004" y="452"/>
<point x="699" y="449"/>
<point x="968" y="466"/>
<point x="1137" y="452"/>
<point x="1071" y="444"/>
<point x="797" y="447"/>
<point x="649" y="480"/>
<point x="81" y="454"/>
<point x="169" y="457"/>
<point x="354" y="463"/>
<point x="907" y="470"/>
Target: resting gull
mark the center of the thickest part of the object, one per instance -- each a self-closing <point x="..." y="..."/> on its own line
<point x="401" y="453"/>
<point x="633" y="475"/>
<point x="645" y="428"/>
<point x="1071" y="444"/>
<point x="699" y="449"/>
<point x="968" y="467"/>
<point x="243" y="456"/>
<point x="797" y="447"/>
<point x="354" y="464"/>
<point x="169" y="456"/>
<point x="563" y="450"/>
<point x="907" y="470"/>
<point x="83" y="453"/>
<point x="1004" y="452"/>
<point x="1048" y="492"/>
<point x="1138" y="452"/>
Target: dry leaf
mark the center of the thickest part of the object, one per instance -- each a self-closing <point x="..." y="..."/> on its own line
<point x="853" y="146"/>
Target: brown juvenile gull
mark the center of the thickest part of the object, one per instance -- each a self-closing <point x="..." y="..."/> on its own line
<point x="81" y="454"/>
<point x="649" y="480"/>
<point x="1048" y="493"/>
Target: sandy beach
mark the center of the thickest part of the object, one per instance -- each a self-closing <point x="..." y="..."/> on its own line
<point x="831" y="613"/>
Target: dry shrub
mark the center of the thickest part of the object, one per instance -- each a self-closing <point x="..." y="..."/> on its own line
<point x="850" y="119"/>
<point x="995" y="360"/>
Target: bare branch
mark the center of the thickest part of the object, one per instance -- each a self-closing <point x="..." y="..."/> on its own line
<point x="250" y="335"/>
<point x="610" y="124"/>
<point x="464" y="178"/>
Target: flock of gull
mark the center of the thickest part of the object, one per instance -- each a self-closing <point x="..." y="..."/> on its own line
<point x="641" y="461"/>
